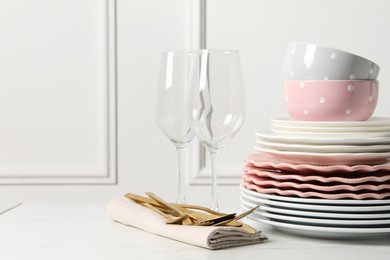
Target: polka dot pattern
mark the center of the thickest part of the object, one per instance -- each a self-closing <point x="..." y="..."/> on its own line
<point x="317" y="100"/>
<point x="313" y="62"/>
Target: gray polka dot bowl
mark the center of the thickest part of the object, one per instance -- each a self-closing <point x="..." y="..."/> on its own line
<point x="307" y="61"/>
<point x="331" y="100"/>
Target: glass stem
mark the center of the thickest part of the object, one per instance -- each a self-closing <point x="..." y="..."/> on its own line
<point x="214" y="173"/>
<point x="183" y="167"/>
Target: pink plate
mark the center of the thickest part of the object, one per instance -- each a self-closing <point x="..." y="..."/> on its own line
<point x="376" y="177"/>
<point x="291" y="185"/>
<point x="315" y="194"/>
<point x="264" y="160"/>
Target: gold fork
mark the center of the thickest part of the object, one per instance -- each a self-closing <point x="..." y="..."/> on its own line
<point x="184" y="213"/>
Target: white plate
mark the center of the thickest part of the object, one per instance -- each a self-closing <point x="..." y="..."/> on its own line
<point x="311" y="129"/>
<point x="320" y="208"/>
<point x="324" y="148"/>
<point x="326" y="159"/>
<point x="348" y="202"/>
<point x="362" y="209"/>
<point x="326" y="232"/>
<point x="332" y="134"/>
<point x="373" y="121"/>
<point x="348" y="140"/>
<point x="318" y="221"/>
<point x="378" y="209"/>
<point x="316" y="214"/>
<point x="326" y="222"/>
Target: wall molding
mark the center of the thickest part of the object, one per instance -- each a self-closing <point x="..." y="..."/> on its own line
<point x="104" y="172"/>
<point x="200" y="173"/>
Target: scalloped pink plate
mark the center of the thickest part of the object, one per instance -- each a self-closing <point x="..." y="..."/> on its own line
<point x="318" y="204"/>
<point x="263" y="160"/>
<point x="291" y="185"/>
<point x="379" y="177"/>
<point x="315" y="194"/>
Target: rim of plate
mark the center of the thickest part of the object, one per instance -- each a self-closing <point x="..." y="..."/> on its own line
<point x="379" y="230"/>
<point x="339" y="130"/>
<point x="334" y="215"/>
<point x="333" y="134"/>
<point x="365" y="155"/>
<point x="311" y="220"/>
<point x="319" y="220"/>
<point x="317" y="207"/>
<point x="324" y="148"/>
<point x="269" y="135"/>
<point x="373" y="121"/>
<point x="314" y="201"/>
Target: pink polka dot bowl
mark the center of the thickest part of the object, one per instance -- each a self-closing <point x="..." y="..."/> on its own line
<point x="307" y="61"/>
<point x="331" y="100"/>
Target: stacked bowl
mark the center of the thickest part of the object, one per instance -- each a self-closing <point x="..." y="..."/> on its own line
<point x="327" y="84"/>
<point x="324" y="172"/>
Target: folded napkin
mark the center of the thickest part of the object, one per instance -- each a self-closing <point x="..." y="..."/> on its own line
<point x="125" y="211"/>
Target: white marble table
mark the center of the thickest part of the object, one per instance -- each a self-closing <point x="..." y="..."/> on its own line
<point x="83" y="231"/>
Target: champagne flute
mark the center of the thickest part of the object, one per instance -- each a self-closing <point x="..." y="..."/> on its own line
<point x="170" y="113"/>
<point x="216" y="104"/>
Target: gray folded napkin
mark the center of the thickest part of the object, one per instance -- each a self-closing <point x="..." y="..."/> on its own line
<point x="127" y="212"/>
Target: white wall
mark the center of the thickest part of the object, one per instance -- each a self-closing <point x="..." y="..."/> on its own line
<point x="144" y="158"/>
<point x="137" y="154"/>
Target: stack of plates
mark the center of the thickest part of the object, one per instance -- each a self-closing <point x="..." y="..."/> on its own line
<point x="327" y="143"/>
<point x="321" y="218"/>
<point x="321" y="179"/>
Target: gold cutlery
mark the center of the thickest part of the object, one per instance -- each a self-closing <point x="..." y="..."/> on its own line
<point x="185" y="214"/>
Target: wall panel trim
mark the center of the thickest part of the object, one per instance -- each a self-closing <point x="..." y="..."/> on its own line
<point x="105" y="172"/>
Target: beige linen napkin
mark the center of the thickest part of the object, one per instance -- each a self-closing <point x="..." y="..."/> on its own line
<point x="125" y="211"/>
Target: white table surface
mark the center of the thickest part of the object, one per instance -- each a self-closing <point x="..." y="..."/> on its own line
<point x="83" y="231"/>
